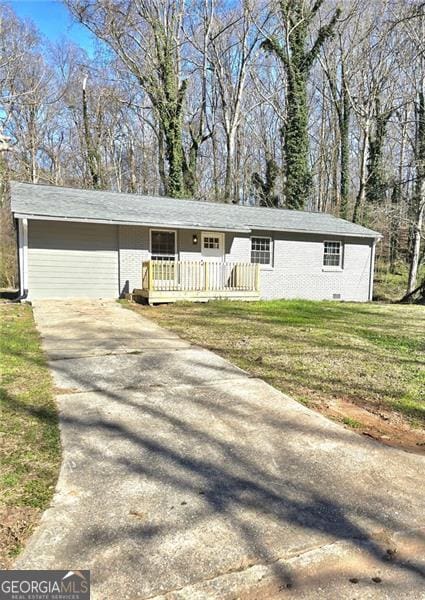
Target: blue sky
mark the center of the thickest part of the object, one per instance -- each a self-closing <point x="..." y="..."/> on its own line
<point x="54" y="21"/>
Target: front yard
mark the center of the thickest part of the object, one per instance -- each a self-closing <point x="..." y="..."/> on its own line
<point x="29" y="435"/>
<point x="362" y="364"/>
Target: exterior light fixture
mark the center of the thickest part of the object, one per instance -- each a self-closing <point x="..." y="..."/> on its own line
<point x="195" y="239"/>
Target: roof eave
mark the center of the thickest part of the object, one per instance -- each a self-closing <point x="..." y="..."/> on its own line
<point x="172" y="225"/>
<point x="371" y="234"/>
<point x="196" y="226"/>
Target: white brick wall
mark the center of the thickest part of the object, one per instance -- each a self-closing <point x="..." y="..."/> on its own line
<point x="238" y="247"/>
<point x="297" y="270"/>
<point x="133" y="250"/>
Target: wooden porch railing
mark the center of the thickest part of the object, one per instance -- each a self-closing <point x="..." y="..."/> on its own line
<point x="199" y="276"/>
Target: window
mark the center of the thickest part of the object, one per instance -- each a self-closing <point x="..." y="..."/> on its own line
<point x="332" y="254"/>
<point x="163" y="245"/>
<point x="261" y="250"/>
<point x="211" y="242"/>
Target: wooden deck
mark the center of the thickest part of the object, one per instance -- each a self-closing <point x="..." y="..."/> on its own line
<point x="197" y="281"/>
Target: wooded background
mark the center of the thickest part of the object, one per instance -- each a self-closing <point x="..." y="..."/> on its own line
<point x="315" y="105"/>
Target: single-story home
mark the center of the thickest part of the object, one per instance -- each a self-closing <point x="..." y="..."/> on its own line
<point x="98" y="244"/>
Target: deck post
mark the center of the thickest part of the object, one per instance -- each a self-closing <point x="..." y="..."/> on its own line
<point x="206" y="277"/>
<point x="257" y="278"/>
<point x="150" y="276"/>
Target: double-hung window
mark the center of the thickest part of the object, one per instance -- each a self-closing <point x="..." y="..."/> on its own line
<point x="332" y="254"/>
<point x="261" y="250"/>
<point x="163" y="245"/>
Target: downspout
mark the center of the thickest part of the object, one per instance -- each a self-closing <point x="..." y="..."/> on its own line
<point x="23" y="259"/>
<point x="372" y="270"/>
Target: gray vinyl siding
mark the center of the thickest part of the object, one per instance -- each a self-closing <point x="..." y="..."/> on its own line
<point x="72" y="260"/>
<point x="91" y="260"/>
<point x="186" y="248"/>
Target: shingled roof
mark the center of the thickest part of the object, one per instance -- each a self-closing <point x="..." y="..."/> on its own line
<point x="60" y="203"/>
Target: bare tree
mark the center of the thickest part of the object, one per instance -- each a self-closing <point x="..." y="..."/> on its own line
<point x="231" y="52"/>
<point x="147" y="37"/>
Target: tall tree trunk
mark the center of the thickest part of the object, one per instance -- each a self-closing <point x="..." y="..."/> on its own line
<point x="174" y="155"/>
<point x="376" y="183"/>
<point x="344" y="128"/>
<point x="298" y="62"/>
<point x="394" y="226"/>
<point x="396" y="199"/>
<point x="417" y="237"/>
<point x="342" y="104"/>
<point x="197" y="133"/>
<point x="420" y="190"/>
<point x="229" y="182"/>
<point x="93" y="159"/>
<point x="298" y="176"/>
<point x="132" y="167"/>
<point x="215" y="168"/>
<point x="361" y="195"/>
<point x="4" y="176"/>
<point x="170" y="112"/>
<point x="163" y="185"/>
<point x="335" y="163"/>
<point x="322" y="158"/>
<point x="33" y="145"/>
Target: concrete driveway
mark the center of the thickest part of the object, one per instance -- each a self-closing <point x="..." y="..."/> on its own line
<point x="183" y="477"/>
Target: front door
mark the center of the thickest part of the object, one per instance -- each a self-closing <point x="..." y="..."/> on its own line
<point x="212" y="250"/>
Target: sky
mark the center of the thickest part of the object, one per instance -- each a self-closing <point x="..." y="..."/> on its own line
<point x="54" y="21"/>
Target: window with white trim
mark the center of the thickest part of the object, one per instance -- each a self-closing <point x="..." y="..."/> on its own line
<point x="261" y="250"/>
<point x="211" y="242"/>
<point x="332" y="254"/>
<point x="163" y="245"/>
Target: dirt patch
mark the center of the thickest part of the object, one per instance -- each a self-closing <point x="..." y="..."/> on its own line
<point x="16" y="525"/>
<point x="386" y="426"/>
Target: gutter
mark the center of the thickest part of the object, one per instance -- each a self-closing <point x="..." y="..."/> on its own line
<point x="195" y="226"/>
<point x="22" y="293"/>
<point x="372" y="235"/>
<point x="372" y="268"/>
<point x="22" y="259"/>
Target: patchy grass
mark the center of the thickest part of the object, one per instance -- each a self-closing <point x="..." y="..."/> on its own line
<point x="324" y="354"/>
<point x="29" y="434"/>
<point x="351" y="423"/>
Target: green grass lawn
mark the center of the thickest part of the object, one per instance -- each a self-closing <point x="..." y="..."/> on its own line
<point x="369" y="355"/>
<point x="29" y="434"/>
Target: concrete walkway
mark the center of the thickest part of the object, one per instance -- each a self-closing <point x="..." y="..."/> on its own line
<point x="184" y="478"/>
